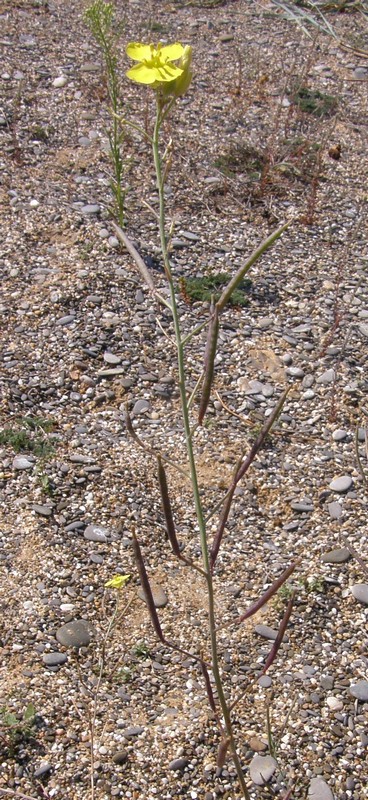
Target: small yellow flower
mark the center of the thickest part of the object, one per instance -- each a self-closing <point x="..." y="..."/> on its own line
<point x="155" y="63"/>
<point x="117" y="582"/>
<point x="180" y="85"/>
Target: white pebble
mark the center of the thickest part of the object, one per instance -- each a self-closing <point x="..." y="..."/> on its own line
<point x="58" y="83"/>
<point x="34" y="203"/>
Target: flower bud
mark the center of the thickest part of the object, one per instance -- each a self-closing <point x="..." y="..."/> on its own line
<point x="179" y="85"/>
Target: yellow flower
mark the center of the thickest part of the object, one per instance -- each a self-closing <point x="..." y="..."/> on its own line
<point x="155" y="63"/>
<point x="117" y="582"/>
<point x="179" y="86"/>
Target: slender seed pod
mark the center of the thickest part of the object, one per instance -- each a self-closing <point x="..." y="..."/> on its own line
<point x="269" y="593"/>
<point x="240" y="474"/>
<point x="274" y="650"/>
<point x="208" y="687"/>
<point x="209" y="361"/>
<point x="147" y="589"/>
<point x="222" y="751"/>
<point x="166" y="505"/>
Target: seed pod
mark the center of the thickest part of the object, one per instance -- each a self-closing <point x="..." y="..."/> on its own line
<point x="208" y="687"/>
<point x="273" y="652"/>
<point x="221" y="755"/>
<point x="147" y="589"/>
<point x="209" y="360"/>
<point x="269" y="593"/>
<point x="166" y="505"/>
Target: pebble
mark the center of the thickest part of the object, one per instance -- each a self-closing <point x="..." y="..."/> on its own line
<point x="261" y="769"/>
<point x="257" y="744"/>
<point x="266" y="632"/>
<point x="42" y="770"/>
<point x="90" y="208"/>
<point x="159" y="597"/>
<point x="265" y="681"/>
<point x="337" y="556"/>
<point x="134" y="730"/>
<point x="319" y="790"/>
<point x="360" y="592"/>
<point x="74" y="634"/>
<point x="335" y="510"/>
<point x="334" y="703"/>
<point x="120" y="757"/>
<point x="178" y="764"/>
<point x="43" y="511"/>
<point x="54" y="659"/>
<point x="295" y="372"/>
<point x="58" y="83"/>
<point x="339" y="435"/>
<point x="140" y="407"/>
<point x="341" y="484"/>
<point x="360" y="690"/>
<point x="327" y="377"/>
<point x="33" y="204"/>
<point x="21" y="462"/>
<point x="96" y="533"/>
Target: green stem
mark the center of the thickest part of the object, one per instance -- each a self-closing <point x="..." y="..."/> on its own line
<point x="160" y="115"/>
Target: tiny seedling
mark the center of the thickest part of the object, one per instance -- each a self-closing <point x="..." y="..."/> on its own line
<point x="13" y="730"/>
<point x="203" y="289"/>
<point x="312" y="101"/>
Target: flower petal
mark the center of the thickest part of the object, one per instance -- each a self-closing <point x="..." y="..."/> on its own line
<point x="166" y="73"/>
<point x="137" y="51"/>
<point x="172" y="51"/>
<point x="142" y="74"/>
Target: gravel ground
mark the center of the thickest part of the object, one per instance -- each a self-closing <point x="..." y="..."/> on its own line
<point x="81" y="338"/>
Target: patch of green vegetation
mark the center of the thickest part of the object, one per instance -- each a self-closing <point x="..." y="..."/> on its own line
<point x="13" y="730"/>
<point x="156" y="27"/>
<point x="239" y="159"/>
<point x="20" y="439"/>
<point x="312" y="101"/>
<point x="141" y="650"/>
<point x="39" y="134"/>
<point x="202" y="289"/>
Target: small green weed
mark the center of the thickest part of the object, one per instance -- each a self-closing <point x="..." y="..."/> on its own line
<point x="241" y="159"/>
<point x="312" y="101"/>
<point x="202" y="289"/>
<point x="141" y="650"/>
<point x="12" y="729"/>
<point x="20" y="439"/>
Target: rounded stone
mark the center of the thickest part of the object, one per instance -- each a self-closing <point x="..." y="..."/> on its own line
<point x="341" y="484"/>
<point x="21" y="462"/>
<point x="159" y="597"/>
<point x="360" y="592"/>
<point x="96" y="533"/>
<point x="59" y="82"/>
<point x="319" y="790"/>
<point x="360" y="690"/>
<point x="54" y="659"/>
<point x="120" y="757"/>
<point x="178" y="764"/>
<point x="261" y="769"/>
<point x="337" y="556"/>
<point x="74" y="634"/>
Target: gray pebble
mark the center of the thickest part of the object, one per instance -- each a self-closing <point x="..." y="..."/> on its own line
<point x="114" y="242"/>
<point x="295" y="372"/>
<point x="339" y="435"/>
<point x="178" y="764"/>
<point x="261" y="769"/>
<point x="360" y="592"/>
<point x="111" y="358"/>
<point x="265" y="681"/>
<point x="140" y="407"/>
<point x="159" y="597"/>
<point x="54" y="659"/>
<point x="341" y="484"/>
<point x="96" y="533"/>
<point x="266" y="632"/>
<point x="135" y="730"/>
<point x="43" y="511"/>
<point x="301" y="506"/>
<point x="360" y="690"/>
<point x="90" y="208"/>
<point x="335" y="510"/>
<point x="327" y="377"/>
<point x="74" y="634"/>
<point x="120" y="757"/>
<point x="337" y="556"/>
<point x="43" y="769"/>
<point x="319" y="790"/>
<point x="21" y="462"/>
<point x="67" y="320"/>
